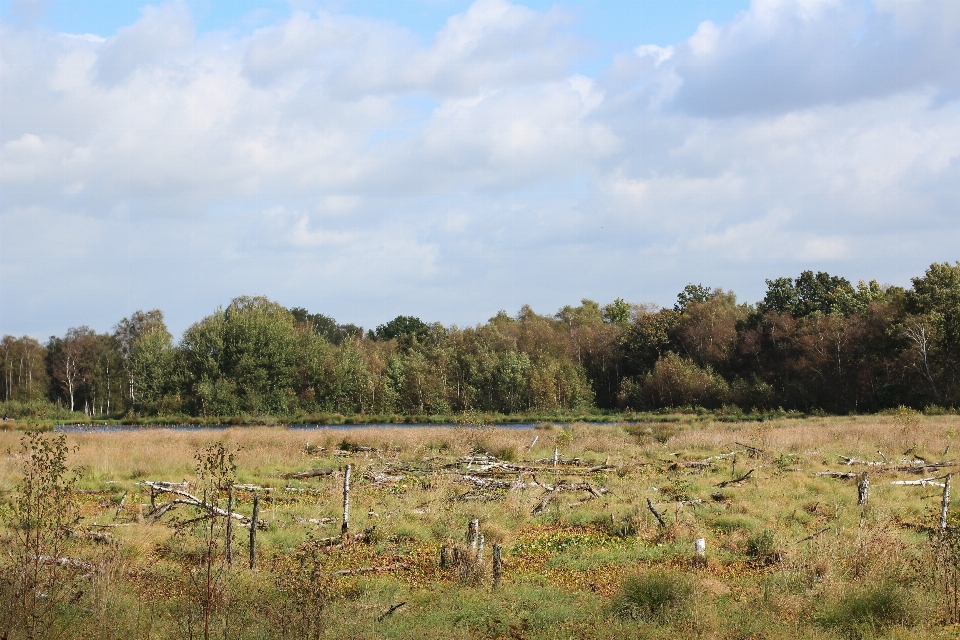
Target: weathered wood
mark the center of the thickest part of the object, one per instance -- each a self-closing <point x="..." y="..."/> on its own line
<point x="735" y="480"/>
<point x="843" y="475"/>
<point x="945" y="503"/>
<point x="473" y="532"/>
<point x="700" y="547"/>
<point x="312" y="473"/>
<point x="497" y="565"/>
<point x="346" y="501"/>
<point x="123" y="500"/>
<point x="228" y="548"/>
<point x="253" y="531"/>
<point x="925" y="482"/>
<point x="656" y="514"/>
<point x="863" y="489"/>
<point x="446" y="556"/>
<point x="197" y="502"/>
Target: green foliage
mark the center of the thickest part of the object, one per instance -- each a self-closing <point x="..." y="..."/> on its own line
<point x="762" y="545"/>
<point x="654" y="596"/>
<point x="676" y="382"/>
<point x="401" y="326"/>
<point x="44" y="508"/>
<point x="815" y="343"/>
<point x="869" y="611"/>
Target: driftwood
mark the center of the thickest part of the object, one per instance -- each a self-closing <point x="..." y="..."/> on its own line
<point x="735" y="480"/>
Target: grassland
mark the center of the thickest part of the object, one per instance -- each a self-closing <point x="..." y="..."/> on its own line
<point x="789" y="554"/>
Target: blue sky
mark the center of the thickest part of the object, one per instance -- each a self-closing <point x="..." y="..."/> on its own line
<point x="610" y="24"/>
<point x="450" y="158"/>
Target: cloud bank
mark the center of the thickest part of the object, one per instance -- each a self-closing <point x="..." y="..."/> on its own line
<point x="341" y="164"/>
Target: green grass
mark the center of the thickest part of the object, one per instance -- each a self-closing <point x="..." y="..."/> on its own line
<point x="582" y="567"/>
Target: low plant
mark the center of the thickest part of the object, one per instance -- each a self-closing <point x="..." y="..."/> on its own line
<point x="868" y="611"/>
<point x="654" y="596"/>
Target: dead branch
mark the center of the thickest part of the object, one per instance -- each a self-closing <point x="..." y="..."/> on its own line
<point x="656" y="514"/>
<point x="735" y="480"/>
<point x="358" y="570"/>
<point x="925" y="482"/>
<point x="312" y="473"/>
<point x="390" y="611"/>
<point x="813" y="535"/>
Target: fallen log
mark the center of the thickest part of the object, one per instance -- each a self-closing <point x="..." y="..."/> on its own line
<point x="312" y="473"/>
<point x="925" y="482"/>
<point x="844" y="475"/>
<point x="193" y="500"/>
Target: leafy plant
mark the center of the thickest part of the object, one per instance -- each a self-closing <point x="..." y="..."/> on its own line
<point x="36" y="572"/>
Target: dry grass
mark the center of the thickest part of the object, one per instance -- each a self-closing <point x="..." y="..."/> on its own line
<point x="760" y="578"/>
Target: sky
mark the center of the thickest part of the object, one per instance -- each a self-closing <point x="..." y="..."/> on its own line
<point x="448" y="159"/>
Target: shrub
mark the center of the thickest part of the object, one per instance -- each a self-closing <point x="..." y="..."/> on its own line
<point x="654" y="596"/>
<point x="762" y="545"/>
<point x="867" y="612"/>
<point x="676" y="381"/>
<point x="33" y="576"/>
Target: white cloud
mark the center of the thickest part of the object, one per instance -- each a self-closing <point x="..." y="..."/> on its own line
<point x="339" y="163"/>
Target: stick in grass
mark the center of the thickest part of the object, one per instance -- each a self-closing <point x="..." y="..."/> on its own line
<point x="945" y="503"/>
<point x="253" y="531"/>
<point x="656" y="514"/>
<point x="346" y="502"/>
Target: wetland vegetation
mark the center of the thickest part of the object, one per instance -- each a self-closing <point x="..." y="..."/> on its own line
<point x="107" y="551"/>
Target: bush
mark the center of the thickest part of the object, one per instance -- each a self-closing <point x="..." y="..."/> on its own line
<point x="676" y="382"/>
<point x="654" y="596"/>
<point x="762" y="546"/>
<point x="864" y="613"/>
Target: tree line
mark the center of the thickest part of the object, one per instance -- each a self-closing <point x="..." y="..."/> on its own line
<point x="815" y="342"/>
